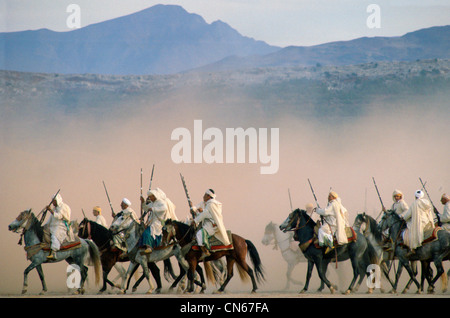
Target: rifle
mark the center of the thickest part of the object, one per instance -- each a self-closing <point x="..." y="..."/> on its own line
<point x="44" y="210"/>
<point x="109" y="201"/>
<point x="379" y="197"/>
<point x="187" y="195"/>
<point x="434" y="208"/>
<point x="141" y="192"/>
<point x="290" y="201"/>
<point x="151" y="178"/>
<point x="312" y="190"/>
<point x="83" y="214"/>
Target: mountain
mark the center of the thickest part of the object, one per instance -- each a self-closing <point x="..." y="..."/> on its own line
<point x="162" y="39"/>
<point x="422" y="44"/>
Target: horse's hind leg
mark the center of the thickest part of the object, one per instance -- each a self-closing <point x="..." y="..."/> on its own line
<point x="154" y="269"/>
<point x="42" y="278"/>
<point x="230" y="264"/>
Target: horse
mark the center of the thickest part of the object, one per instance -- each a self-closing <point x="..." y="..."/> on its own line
<point x="33" y="234"/>
<point x="281" y="240"/>
<point x="436" y="251"/>
<point x="185" y="237"/>
<point x="133" y="231"/>
<point x="110" y="255"/>
<point x="360" y="252"/>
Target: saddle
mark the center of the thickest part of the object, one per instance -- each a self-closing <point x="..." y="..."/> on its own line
<point x="351" y="237"/>
<point x="216" y="245"/>
<point x="430" y="237"/>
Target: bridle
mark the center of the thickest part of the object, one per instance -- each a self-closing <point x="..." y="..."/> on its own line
<point x="24" y="224"/>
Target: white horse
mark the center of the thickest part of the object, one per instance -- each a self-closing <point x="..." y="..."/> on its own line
<point x="288" y="247"/>
<point x="133" y="231"/>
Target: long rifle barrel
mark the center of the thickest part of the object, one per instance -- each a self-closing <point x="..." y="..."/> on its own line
<point x="151" y="178"/>
<point x="109" y="201"/>
<point x="290" y="200"/>
<point x="312" y="190"/>
<point x="44" y="210"/>
<point x="378" y="192"/>
<point x="434" y="208"/>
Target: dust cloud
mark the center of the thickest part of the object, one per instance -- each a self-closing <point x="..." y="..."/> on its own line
<point x="43" y="150"/>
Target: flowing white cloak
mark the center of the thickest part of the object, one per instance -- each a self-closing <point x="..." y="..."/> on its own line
<point x="400" y="207"/>
<point x="57" y="224"/>
<point x="445" y="217"/>
<point x="335" y="220"/>
<point x="419" y="219"/>
<point x="212" y="220"/>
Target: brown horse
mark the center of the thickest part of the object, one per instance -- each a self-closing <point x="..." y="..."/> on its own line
<point x="184" y="235"/>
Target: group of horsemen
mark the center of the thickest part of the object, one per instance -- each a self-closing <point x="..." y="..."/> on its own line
<point x="208" y="219"/>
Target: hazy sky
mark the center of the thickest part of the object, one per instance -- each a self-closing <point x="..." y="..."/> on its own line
<point x="282" y="22"/>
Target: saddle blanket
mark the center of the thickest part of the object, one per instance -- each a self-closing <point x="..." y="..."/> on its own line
<point x="216" y="245"/>
<point x="429" y="237"/>
<point x="65" y="246"/>
<point x="351" y="236"/>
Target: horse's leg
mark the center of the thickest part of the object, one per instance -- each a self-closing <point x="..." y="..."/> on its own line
<point x="25" y="275"/>
<point x="83" y="272"/>
<point x="156" y="275"/>
<point x="440" y="271"/>
<point x="411" y="273"/>
<point x="180" y="276"/>
<point x="355" y="267"/>
<point x="192" y="261"/>
<point x="308" y="276"/>
<point x="202" y="282"/>
<point x="288" y="275"/>
<point x="410" y="281"/>
<point x="320" y="265"/>
<point x="230" y="263"/>
<point x="42" y="278"/>
<point x="130" y="270"/>
<point x="324" y="270"/>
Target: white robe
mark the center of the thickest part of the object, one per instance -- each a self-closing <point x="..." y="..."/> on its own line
<point x="445" y="217"/>
<point x="419" y="220"/>
<point x="162" y="209"/>
<point x="400" y="207"/>
<point x="335" y="217"/>
<point x="212" y="220"/>
<point x="58" y="223"/>
<point x="100" y="219"/>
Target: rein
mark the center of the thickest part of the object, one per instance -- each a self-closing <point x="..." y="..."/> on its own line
<point x="25" y="225"/>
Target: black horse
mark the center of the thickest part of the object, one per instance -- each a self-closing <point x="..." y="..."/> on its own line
<point x="360" y="252"/>
<point x="110" y="255"/>
<point x="436" y="251"/>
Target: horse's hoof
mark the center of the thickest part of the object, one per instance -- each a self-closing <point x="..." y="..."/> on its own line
<point x="347" y="292"/>
<point x="418" y="292"/>
<point x="302" y="291"/>
<point x="218" y="292"/>
<point x="134" y="290"/>
<point x="122" y="292"/>
<point x="42" y="292"/>
<point x="393" y="291"/>
<point x="24" y="291"/>
<point x="150" y="291"/>
<point x="254" y="291"/>
<point x="332" y="290"/>
<point x="158" y="291"/>
<point x="370" y="291"/>
<point x="405" y="291"/>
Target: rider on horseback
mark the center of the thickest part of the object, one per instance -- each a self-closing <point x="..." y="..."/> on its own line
<point x="335" y="218"/>
<point x="58" y="224"/>
<point x="209" y="214"/>
<point x="159" y="209"/>
<point x="445" y="217"/>
<point x="118" y="238"/>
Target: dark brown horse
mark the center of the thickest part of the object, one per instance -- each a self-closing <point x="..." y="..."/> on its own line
<point x="185" y="234"/>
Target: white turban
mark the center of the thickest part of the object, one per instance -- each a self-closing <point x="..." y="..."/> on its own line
<point x="419" y="194"/>
<point x="211" y="193"/>
<point x="446" y="196"/>
<point x="58" y="199"/>
<point x="126" y="201"/>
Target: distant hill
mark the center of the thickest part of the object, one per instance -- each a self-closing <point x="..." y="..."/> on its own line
<point x="162" y="39"/>
<point x="422" y="44"/>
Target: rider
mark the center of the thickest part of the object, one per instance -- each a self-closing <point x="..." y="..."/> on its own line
<point x="159" y="208"/>
<point x="99" y="218"/>
<point x="119" y="238"/>
<point x="419" y="220"/>
<point x="211" y="220"/>
<point x="400" y="207"/>
<point x="58" y="224"/>
<point x="335" y="217"/>
<point x="445" y="218"/>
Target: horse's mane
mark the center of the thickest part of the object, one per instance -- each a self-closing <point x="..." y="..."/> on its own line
<point x="101" y="228"/>
<point x="36" y="226"/>
<point x="183" y="227"/>
<point x="374" y="228"/>
<point x="309" y="221"/>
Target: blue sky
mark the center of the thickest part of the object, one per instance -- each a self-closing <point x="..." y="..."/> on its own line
<point x="277" y="22"/>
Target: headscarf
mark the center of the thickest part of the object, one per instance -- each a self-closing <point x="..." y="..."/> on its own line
<point x="419" y="194"/>
<point x="126" y="201"/>
<point x="211" y="193"/>
<point x="396" y="192"/>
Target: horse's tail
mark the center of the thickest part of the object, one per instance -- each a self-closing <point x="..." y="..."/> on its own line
<point x="209" y="273"/>
<point x="169" y="274"/>
<point x="94" y="254"/>
<point x="256" y="260"/>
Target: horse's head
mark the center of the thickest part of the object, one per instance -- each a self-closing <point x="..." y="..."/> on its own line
<point x="169" y="232"/>
<point x="361" y="222"/>
<point x="291" y="221"/>
<point x="269" y="233"/>
<point x="389" y="219"/>
<point x="83" y="230"/>
<point x="122" y="223"/>
<point x="22" y="221"/>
